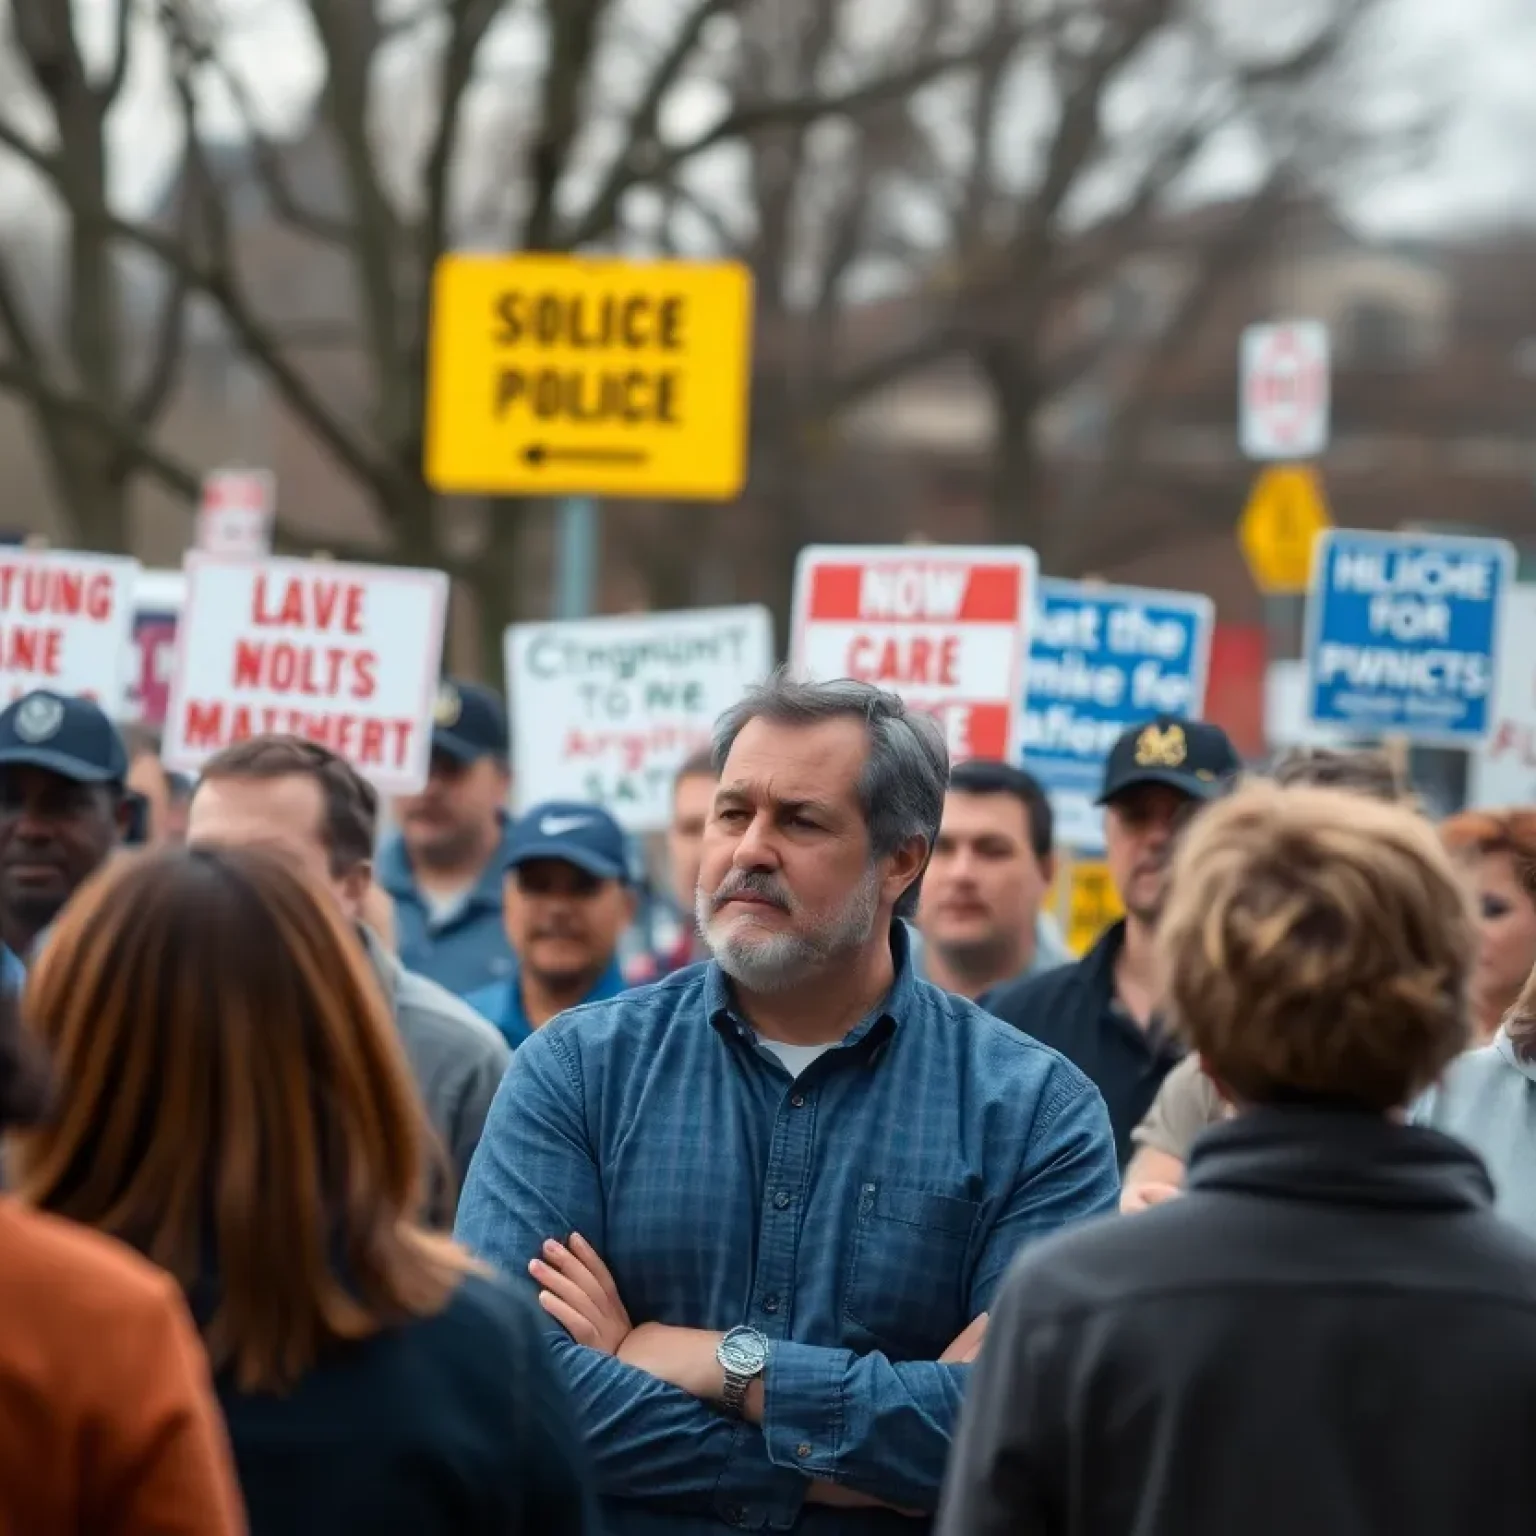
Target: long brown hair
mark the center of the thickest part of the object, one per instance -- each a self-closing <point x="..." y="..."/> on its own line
<point x="233" y="1101"/>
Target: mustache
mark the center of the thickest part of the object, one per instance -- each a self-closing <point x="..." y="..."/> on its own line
<point x="749" y="882"/>
<point x="558" y="930"/>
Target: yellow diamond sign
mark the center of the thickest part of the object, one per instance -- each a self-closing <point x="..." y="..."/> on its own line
<point x="1282" y="520"/>
<point x="559" y="376"/>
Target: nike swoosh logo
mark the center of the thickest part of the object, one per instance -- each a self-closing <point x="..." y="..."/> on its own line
<point x="555" y="826"/>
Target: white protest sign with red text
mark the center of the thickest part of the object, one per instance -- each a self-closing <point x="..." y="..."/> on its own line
<point x="346" y="655"/>
<point x="65" y="624"/>
<point x="945" y="627"/>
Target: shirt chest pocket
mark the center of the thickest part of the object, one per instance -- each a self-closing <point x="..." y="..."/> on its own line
<point x="908" y="1267"/>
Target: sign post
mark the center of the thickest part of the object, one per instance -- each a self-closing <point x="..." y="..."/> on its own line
<point x="564" y="376"/>
<point x="1403" y="634"/>
<point x="346" y="655"/>
<point x="946" y="627"/>
<point x="1283" y="397"/>
<point x="608" y="709"/>
<point x="1102" y="659"/>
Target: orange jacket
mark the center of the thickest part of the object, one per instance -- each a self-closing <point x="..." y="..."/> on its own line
<point x="108" y="1423"/>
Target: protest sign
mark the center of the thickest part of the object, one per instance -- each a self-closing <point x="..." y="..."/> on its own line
<point x="65" y="621"/>
<point x="157" y="601"/>
<point x="1503" y="770"/>
<point x="945" y="627"/>
<point x="1402" y="633"/>
<point x="607" y="709"/>
<point x="1102" y="659"/>
<point x="346" y="655"/>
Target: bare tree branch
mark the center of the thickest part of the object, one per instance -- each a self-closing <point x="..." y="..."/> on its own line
<point x="746" y="119"/>
<point x="126" y="438"/>
<point x="573" y="31"/>
<point x="122" y="45"/>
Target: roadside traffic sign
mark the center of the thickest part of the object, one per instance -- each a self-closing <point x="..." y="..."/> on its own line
<point x="1403" y="633"/>
<point x="945" y="627"/>
<point x="1283" y="393"/>
<point x="1285" y="514"/>
<point x="556" y="375"/>
<point x="234" y="517"/>
<point x="1087" y="902"/>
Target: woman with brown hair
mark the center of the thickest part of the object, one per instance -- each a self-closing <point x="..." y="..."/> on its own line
<point x="1497" y="849"/>
<point x="234" y="1103"/>
<point x="1331" y="1332"/>
<point x="108" y="1422"/>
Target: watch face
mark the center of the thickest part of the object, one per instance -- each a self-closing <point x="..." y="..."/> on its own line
<point x="743" y="1351"/>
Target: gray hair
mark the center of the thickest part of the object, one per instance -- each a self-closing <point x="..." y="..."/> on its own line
<point x="901" y="789"/>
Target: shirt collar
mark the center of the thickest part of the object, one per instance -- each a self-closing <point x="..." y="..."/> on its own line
<point x="610" y="984"/>
<point x="720" y="1003"/>
<point x="394" y="872"/>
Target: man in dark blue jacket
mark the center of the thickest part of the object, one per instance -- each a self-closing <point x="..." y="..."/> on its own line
<point x="1101" y="1013"/>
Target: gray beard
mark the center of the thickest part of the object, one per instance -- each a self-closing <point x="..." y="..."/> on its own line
<point x="779" y="962"/>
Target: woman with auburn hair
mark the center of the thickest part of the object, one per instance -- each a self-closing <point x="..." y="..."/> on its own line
<point x="1331" y="1331"/>
<point x="1487" y="1098"/>
<point x="234" y="1103"/>
<point x="1497" y="848"/>
<point x="108" y="1422"/>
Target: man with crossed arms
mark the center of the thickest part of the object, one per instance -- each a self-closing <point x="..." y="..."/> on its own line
<point x="767" y="1202"/>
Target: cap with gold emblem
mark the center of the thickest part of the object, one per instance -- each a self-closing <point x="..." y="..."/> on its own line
<point x="1191" y="756"/>
<point x="468" y="722"/>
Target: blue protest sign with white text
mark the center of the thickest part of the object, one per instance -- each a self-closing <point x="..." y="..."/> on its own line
<point x="1402" y="633"/>
<point x="1103" y="659"/>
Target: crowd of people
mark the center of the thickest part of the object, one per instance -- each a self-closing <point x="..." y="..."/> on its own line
<point x="368" y="1181"/>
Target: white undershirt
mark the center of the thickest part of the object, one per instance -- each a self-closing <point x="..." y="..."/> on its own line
<point x="795" y="1058"/>
<point x="443" y="907"/>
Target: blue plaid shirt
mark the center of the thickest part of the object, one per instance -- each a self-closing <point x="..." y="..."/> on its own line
<point x="859" y="1216"/>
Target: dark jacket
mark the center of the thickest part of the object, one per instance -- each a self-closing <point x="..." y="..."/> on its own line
<point x="453" y="1425"/>
<point x="1330" y="1334"/>
<point x="1072" y="1009"/>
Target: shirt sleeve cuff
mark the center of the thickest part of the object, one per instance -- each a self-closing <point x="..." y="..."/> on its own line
<point x="753" y="1494"/>
<point x="803" y="1406"/>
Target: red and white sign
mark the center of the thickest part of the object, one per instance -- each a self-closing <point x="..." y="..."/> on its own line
<point x="234" y="519"/>
<point x="1283" y="404"/>
<point x="346" y="655"/>
<point x="66" y="620"/>
<point x="946" y="628"/>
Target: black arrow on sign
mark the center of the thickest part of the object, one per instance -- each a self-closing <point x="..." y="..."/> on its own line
<point x="538" y="454"/>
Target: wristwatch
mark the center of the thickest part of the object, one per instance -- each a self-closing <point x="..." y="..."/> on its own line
<point x="742" y="1353"/>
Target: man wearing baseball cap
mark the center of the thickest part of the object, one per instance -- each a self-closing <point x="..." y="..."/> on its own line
<point x="63" y="809"/>
<point x="443" y="869"/>
<point x="1102" y="1012"/>
<point x="567" y="902"/>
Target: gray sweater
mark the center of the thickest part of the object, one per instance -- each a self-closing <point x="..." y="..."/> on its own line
<point x="457" y="1058"/>
<point x="1487" y="1099"/>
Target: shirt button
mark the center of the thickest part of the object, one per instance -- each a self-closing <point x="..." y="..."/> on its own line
<point x="798" y="1100"/>
<point x="802" y="1450"/>
<point x="781" y="1200"/>
<point x="770" y="1303"/>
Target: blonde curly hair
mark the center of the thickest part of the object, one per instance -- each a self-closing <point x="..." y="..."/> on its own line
<point x="1317" y="944"/>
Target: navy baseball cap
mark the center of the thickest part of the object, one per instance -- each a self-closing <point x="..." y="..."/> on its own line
<point x="69" y="736"/>
<point x="468" y="722"/>
<point x="1191" y="756"/>
<point x="574" y="832"/>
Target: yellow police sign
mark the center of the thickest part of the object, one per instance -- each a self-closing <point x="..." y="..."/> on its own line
<point x="1090" y="901"/>
<point x="1280" y="524"/>
<point x="556" y="375"/>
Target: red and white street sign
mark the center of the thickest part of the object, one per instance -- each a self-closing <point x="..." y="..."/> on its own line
<point x="234" y="519"/>
<point x="1283" y="403"/>
<point x="346" y="655"/>
<point x="65" y="623"/>
<point x="945" y="627"/>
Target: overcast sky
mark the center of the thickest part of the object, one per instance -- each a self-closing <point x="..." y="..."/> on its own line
<point x="1475" y="54"/>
